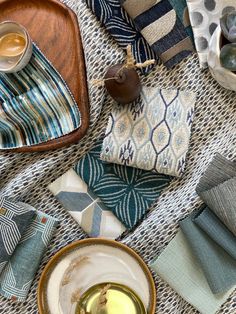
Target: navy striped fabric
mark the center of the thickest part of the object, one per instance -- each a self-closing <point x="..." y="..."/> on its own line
<point x="151" y="15"/>
<point x="36" y="105"/>
<point x="164" y="24"/>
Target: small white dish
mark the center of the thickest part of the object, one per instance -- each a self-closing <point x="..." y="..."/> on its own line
<point x="224" y="77"/>
<point x="11" y="64"/>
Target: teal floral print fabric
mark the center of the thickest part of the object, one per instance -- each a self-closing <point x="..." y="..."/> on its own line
<point x="152" y="133"/>
<point x="36" y="105"/>
<point x="17" y="276"/>
<point x="126" y="191"/>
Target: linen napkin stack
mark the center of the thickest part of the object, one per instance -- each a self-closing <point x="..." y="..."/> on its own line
<point x="204" y="250"/>
<point x="24" y="236"/>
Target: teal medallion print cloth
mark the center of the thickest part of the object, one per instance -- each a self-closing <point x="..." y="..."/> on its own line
<point x="36" y="105"/>
<point x="126" y="191"/>
<point x="14" y="220"/>
<point x="17" y="276"/>
<point x="85" y="207"/>
<point x="152" y="133"/>
<point x="178" y="266"/>
<point x="160" y="25"/>
<point x="217" y="188"/>
<point x="218" y="266"/>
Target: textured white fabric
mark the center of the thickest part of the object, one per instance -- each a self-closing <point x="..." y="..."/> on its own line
<point x="25" y="176"/>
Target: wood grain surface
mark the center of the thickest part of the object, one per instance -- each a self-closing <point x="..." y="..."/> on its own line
<point x="55" y="30"/>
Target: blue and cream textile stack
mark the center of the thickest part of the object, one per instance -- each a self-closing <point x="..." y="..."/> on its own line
<point x="25" y="234"/>
<point x="122" y="176"/>
<point x="200" y="262"/>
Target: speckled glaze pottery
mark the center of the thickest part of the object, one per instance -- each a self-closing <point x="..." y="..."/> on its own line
<point x="15" y="64"/>
<point x="85" y="263"/>
<point x="224" y="77"/>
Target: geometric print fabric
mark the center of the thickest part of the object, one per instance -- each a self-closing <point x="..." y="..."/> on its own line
<point x="85" y="207"/>
<point x="128" y="192"/>
<point x="14" y="220"/>
<point x="16" y="278"/>
<point x="153" y="133"/>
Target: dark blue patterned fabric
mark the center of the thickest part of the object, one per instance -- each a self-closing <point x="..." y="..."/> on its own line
<point x="120" y="26"/>
<point x="164" y="28"/>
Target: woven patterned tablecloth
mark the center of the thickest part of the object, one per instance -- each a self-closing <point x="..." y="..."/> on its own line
<point x="25" y="176"/>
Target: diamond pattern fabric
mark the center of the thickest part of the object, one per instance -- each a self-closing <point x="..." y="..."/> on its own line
<point x="85" y="207"/>
<point x="153" y="133"/>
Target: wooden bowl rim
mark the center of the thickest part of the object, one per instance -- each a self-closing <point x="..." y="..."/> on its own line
<point x="96" y="241"/>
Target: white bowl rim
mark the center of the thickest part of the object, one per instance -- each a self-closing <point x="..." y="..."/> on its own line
<point x="28" y="41"/>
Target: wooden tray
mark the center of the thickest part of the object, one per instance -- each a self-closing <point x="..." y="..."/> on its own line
<point x="54" y="28"/>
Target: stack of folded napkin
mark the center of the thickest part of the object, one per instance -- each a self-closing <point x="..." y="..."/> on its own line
<point x="24" y="236"/>
<point x="114" y="185"/>
<point x="200" y="262"/>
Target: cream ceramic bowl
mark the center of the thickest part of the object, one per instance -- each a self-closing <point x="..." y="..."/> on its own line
<point x="98" y="261"/>
<point x="224" y="77"/>
<point x="17" y="63"/>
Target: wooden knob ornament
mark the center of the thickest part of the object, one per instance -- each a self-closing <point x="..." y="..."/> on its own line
<point x="125" y="86"/>
<point x="122" y="80"/>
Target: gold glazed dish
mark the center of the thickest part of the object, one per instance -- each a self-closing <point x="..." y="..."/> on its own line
<point x="82" y="265"/>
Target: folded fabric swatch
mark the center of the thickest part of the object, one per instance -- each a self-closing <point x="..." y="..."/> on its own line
<point x="85" y="207"/>
<point x="127" y="191"/>
<point x="217" y="265"/>
<point x="17" y="276"/>
<point x="161" y="27"/>
<point x="180" y="269"/>
<point x="205" y="17"/>
<point x="36" y="105"/>
<point x="120" y="26"/>
<point x="217" y="188"/>
<point x="14" y="220"/>
<point x="216" y="230"/>
<point x="181" y="9"/>
<point x="152" y="134"/>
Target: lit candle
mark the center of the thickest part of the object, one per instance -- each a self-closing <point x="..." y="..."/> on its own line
<point x="110" y="298"/>
<point x="12" y="45"/>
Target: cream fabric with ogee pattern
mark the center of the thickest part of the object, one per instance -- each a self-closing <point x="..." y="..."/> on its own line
<point x="153" y="133"/>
